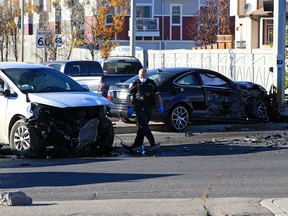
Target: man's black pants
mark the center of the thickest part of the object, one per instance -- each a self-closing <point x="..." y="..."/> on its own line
<point x="143" y="116"/>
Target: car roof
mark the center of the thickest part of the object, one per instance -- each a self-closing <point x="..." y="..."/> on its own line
<point x="174" y="69"/>
<point x="120" y="58"/>
<point x="67" y="61"/>
<point x="7" y="65"/>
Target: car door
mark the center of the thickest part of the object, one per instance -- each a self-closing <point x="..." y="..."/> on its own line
<point x="186" y="88"/>
<point x="223" y="99"/>
<point x="3" y="111"/>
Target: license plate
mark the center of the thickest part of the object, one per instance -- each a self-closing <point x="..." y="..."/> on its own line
<point x="122" y="95"/>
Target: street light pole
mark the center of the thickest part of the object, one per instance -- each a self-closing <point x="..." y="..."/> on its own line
<point x="22" y="30"/>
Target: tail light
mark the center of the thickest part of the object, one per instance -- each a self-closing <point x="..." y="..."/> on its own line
<point x="109" y="95"/>
<point x="101" y="86"/>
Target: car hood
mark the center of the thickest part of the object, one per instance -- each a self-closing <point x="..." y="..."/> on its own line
<point x="69" y="99"/>
<point x="250" y="85"/>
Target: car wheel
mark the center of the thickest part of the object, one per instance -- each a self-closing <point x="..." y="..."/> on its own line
<point x="128" y="120"/>
<point x="258" y="109"/>
<point x="25" y="142"/>
<point x="178" y="118"/>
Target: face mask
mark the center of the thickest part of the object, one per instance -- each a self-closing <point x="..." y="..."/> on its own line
<point x="143" y="79"/>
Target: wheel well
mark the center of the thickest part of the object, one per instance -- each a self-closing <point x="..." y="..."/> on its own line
<point x="12" y="122"/>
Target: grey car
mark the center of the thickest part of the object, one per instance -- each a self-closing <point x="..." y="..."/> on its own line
<point x="87" y="73"/>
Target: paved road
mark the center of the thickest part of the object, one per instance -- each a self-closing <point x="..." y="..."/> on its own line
<point x="247" y="164"/>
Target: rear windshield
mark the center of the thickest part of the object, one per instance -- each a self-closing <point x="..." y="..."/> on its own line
<point x="122" y="67"/>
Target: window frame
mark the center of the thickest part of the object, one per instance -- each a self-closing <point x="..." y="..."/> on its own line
<point x="111" y="13"/>
<point x="174" y="15"/>
<point x="145" y="5"/>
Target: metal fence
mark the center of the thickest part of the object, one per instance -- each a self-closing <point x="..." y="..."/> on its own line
<point x="237" y="64"/>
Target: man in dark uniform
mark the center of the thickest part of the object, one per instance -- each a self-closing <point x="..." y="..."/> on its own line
<point x="144" y="93"/>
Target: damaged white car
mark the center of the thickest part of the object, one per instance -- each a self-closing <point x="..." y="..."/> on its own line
<point x="42" y="108"/>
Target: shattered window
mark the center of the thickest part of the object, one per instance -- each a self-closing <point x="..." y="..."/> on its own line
<point x="188" y="79"/>
<point x="213" y="80"/>
<point x="159" y="77"/>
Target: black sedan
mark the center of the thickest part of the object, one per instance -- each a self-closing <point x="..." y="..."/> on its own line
<point x="194" y="94"/>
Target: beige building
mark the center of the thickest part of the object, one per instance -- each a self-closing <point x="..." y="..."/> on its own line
<point x="253" y="24"/>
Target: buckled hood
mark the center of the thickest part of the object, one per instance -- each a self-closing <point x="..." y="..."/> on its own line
<point x="69" y="99"/>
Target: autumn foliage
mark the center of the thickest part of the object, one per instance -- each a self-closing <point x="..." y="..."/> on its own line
<point x="104" y="34"/>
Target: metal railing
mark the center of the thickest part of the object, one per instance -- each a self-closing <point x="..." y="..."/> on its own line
<point x="147" y="24"/>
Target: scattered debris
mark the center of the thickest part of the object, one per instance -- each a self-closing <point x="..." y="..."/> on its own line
<point x="189" y="134"/>
<point x="15" y="198"/>
<point x="273" y="136"/>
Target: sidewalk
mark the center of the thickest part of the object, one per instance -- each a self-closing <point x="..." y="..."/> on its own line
<point x="212" y="206"/>
<point x="278" y="206"/>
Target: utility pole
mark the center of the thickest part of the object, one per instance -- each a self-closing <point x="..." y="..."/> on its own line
<point x="279" y="29"/>
<point x="132" y="27"/>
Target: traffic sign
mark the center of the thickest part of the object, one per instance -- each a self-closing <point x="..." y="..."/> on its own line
<point x="42" y="38"/>
<point x="58" y="42"/>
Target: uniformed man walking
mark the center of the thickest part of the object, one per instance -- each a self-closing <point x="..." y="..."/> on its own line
<point x="145" y="94"/>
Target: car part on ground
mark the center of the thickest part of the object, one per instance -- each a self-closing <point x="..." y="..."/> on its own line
<point x="199" y="95"/>
<point x="51" y="112"/>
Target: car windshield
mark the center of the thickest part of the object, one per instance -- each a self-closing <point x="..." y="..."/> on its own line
<point x="38" y="80"/>
<point x="158" y="77"/>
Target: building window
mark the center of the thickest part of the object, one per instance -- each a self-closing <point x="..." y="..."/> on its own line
<point x="176" y="14"/>
<point x="109" y="18"/>
<point x="268" y="32"/>
<point x="144" y="11"/>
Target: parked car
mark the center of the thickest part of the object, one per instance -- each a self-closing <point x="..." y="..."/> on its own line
<point x="87" y="73"/>
<point x="118" y="69"/>
<point x="193" y="94"/>
<point x="42" y="107"/>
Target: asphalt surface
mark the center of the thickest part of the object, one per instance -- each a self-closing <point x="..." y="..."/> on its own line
<point x="192" y="206"/>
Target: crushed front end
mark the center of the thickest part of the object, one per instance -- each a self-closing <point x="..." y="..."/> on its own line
<point x="72" y="131"/>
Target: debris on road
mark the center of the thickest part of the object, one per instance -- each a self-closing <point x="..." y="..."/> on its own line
<point x="15" y="198"/>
